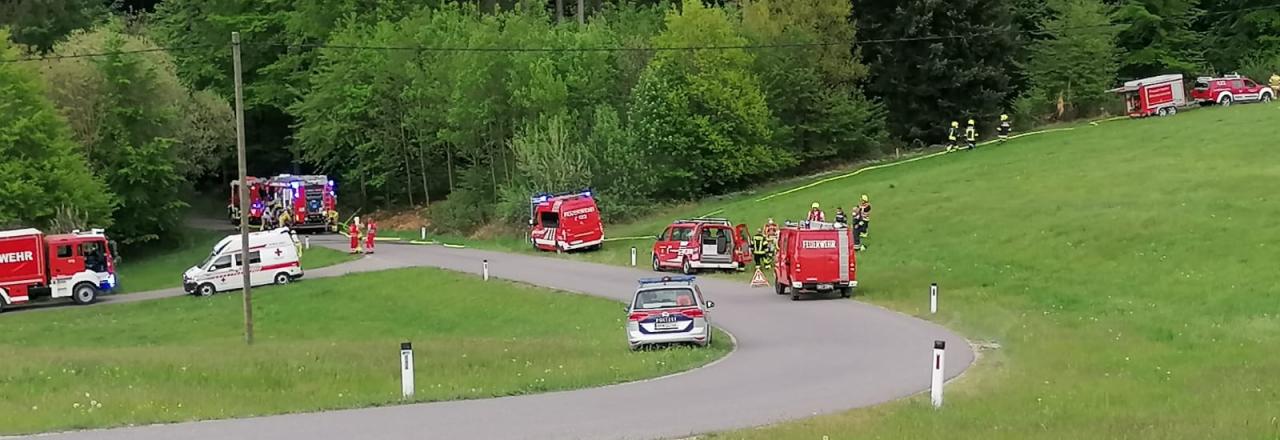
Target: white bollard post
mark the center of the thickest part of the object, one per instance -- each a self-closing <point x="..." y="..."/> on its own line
<point x="406" y="370"/>
<point x="633" y="256"/>
<point x="306" y="242"/>
<point x="939" y="363"/>
<point x="486" y="270"/>
<point x="933" y="298"/>
<point x="424" y="233"/>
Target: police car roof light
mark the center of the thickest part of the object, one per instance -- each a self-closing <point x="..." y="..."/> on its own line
<point x="669" y="279"/>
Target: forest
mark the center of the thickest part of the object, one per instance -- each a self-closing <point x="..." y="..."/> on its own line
<point x="112" y="113"/>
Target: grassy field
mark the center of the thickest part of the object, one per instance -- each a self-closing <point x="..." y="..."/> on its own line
<point x="318" y="347"/>
<point x="1128" y="272"/>
<point x="163" y="268"/>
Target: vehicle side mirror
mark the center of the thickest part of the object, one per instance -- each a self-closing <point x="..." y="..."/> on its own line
<point x="626" y="310"/>
<point x="711" y="304"/>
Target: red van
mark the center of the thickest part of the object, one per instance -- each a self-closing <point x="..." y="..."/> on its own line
<point x="815" y="257"/>
<point x="706" y="243"/>
<point x="565" y="222"/>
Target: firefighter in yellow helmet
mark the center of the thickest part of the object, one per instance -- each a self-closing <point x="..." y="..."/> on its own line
<point x="970" y="136"/>
<point x="759" y="247"/>
<point x="952" y="135"/>
<point x="1005" y="128"/>
<point x="1275" y="84"/>
<point x="862" y="220"/>
<point x="815" y="214"/>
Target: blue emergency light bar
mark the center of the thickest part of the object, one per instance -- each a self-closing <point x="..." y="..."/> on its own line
<point x="669" y="279"/>
<point x="542" y="197"/>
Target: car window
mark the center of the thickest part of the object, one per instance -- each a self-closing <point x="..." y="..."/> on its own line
<point x="222" y="262"/>
<point x="1202" y="85"/>
<point x="666" y="235"/>
<point x="681" y="234"/>
<point x="64" y="251"/>
<point x="664" y="298"/>
<point x="1237" y="83"/>
<point x="1249" y="83"/>
<point x="549" y="219"/>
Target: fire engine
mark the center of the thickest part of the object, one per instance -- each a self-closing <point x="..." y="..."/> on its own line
<point x="815" y="257"/>
<point x="704" y="243"/>
<point x="1229" y="89"/>
<point x="1156" y="96"/>
<point x="36" y="267"/>
<point x="565" y="221"/>
<point x="256" y="207"/>
<point x="312" y="201"/>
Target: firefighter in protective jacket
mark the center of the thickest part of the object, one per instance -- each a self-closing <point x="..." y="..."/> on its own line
<point x="1005" y="128"/>
<point x="952" y="135"/>
<point x="759" y="247"/>
<point x="370" y="231"/>
<point x="970" y="135"/>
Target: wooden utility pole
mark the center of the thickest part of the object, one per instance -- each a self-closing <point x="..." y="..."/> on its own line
<point x="559" y="11"/>
<point x="582" y="14"/>
<point x="244" y="191"/>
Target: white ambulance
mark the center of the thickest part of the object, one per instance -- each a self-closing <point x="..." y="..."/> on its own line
<point x="273" y="259"/>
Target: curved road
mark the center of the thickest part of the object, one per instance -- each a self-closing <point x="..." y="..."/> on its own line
<point x="793" y="360"/>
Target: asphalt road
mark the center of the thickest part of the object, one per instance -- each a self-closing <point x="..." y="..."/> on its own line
<point x="793" y="360"/>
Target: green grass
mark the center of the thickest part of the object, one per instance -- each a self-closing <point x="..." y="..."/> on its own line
<point x="160" y="269"/>
<point x="319" y="346"/>
<point x="1128" y="270"/>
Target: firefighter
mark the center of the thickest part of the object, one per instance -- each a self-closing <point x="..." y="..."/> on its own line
<point x="771" y="232"/>
<point x="286" y="220"/>
<point x="1004" y="129"/>
<point x="970" y="136"/>
<point x="863" y="215"/>
<point x="353" y="231"/>
<point x="370" y="231"/>
<point x="952" y="135"/>
<point x="759" y="247"/>
<point x="1275" y="84"/>
<point x="332" y="218"/>
<point x="297" y="244"/>
<point x="815" y="214"/>
<point x="840" y="217"/>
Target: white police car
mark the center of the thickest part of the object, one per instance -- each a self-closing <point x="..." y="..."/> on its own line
<point x="668" y="310"/>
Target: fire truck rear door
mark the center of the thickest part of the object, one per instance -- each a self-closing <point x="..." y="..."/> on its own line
<point x="842" y="243"/>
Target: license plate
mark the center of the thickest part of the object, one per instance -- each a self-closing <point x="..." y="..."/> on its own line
<point x="666" y="326"/>
<point x="824" y="287"/>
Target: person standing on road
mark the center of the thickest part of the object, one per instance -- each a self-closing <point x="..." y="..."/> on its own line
<point x="353" y="231"/>
<point x="815" y="214"/>
<point x="370" y="231"/>
<point x="759" y="247"/>
<point x="970" y="136"/>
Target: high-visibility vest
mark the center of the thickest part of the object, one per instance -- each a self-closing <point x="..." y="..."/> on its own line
<point x="864" y="211"/>
<point x="970" y="134"/>
<point x="757" y="245"/>
<point x="951" y="134"/>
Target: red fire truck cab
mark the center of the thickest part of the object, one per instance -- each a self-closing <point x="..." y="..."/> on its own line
<point x="36" y="267"/>
<point x="1156" y="96"/>
<point x="312" y="201"/>
<point x="705" y="243"/>
<point x="256" y="207"/>
<point x="1229" y="89"/>
<point x="815" y="257"/>
<point x="565" y="222"/>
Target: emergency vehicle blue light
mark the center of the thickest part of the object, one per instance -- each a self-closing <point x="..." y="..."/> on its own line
<point x="669" y="279"/>
<point x="330" y="183"/>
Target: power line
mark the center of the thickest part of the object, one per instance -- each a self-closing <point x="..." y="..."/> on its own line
<point x="103" y="54"/>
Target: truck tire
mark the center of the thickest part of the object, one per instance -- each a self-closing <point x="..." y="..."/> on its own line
<point x="1225" y="101"/>
<point x="795" y="295"/>
<point x="283" y="278"/>
<point x="846" y="292"/>
<point x="1172" y="111"/>
<point x="656" y="267"/>
<point x="1266" y="97"/>
<point x="687" y="268"/>
<point x="84" y="293"/>
<point x="206" y="289"/>
<point x="1162" y="112"/>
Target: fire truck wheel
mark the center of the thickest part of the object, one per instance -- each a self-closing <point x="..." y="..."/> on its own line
<point x="656" y="266"/>
<point x="1163" y="111"/>
<point x="1225" y="101"/>
<point x="84" y="293"/>
<point x="795" y="295"/>
<point x="1266" y="97"/>
<point x="207" y="289"/>
<point x="846" y="292"/>
<point x="282" y="278"/>
<point x="687" y="268"/>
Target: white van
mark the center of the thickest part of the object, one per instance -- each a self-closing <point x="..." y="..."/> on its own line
<point x="273" y="259"/>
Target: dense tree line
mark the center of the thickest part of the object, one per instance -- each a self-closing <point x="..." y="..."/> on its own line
<point x="367" y="92"/>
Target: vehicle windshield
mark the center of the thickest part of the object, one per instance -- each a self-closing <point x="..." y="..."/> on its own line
<point x="1202" y="84"/>
<point x="205" y="263"/>
<point x="664" y="298"/>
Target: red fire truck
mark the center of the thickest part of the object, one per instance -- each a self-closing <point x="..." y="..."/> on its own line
<point x="565" y="221"/>
<point x="815" y="257"/>
<point x="703" y="243"/>
<point x="37" y="267"/>
<point x="256" y="207"/>
<point x="1156" y="96"/>
<point x="312" y="201"/>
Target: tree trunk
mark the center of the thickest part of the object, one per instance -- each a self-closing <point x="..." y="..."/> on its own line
<point x="426" y="191"/>
<point x="559" y="11"/>
<point x="408" y="164"/>
<point x="448" y="163"/>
